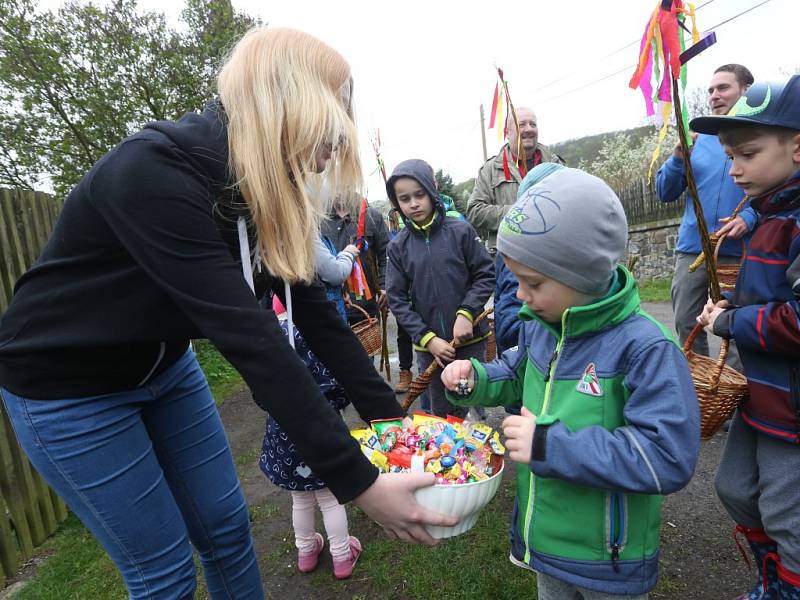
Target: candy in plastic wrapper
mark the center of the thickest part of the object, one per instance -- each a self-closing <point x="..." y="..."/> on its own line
<point x="380" y="426"/>
<point x="398" y="458"/>
<point x="421" y="418"/>
<point x="417" y="463"/>
<point x="463" y="388"/>
<point x="389" y="438"/>
<point x="477" y="436"/>
<point x="434" y="466"/>
<point x="366" y="437"/>
<point x="376" y="457"/>
<point x="454" y="472"/>
<point x="495" y="444"/>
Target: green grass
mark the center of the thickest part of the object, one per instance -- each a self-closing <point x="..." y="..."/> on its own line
<point x="79" y="569"/>
<point x="472" y="565"/>
<point x="222" y="377"/>
<point x="655" y="290"/>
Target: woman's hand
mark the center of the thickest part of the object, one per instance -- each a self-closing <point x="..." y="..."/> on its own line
<point x="455" y="372"/>
<point x="441" y="351"/>
<point x="352" y="249"/>
<point x="462" y="330"/>
<point x="391" y="503"/>
<point x="710" y="313"/>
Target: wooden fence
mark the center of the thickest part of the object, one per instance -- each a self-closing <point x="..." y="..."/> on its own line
<point x="643" y="206"/>
<point x="29" y="510"/>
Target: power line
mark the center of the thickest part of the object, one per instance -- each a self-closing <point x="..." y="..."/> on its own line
<point x="593" y="82"/>
<point x="740" y="14"/>
<point x="610" y="54"/>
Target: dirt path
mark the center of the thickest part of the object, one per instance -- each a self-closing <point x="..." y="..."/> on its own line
<point x="699" y="559"/>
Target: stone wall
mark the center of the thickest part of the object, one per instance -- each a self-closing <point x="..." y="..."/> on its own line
<point x="654" y="245"/>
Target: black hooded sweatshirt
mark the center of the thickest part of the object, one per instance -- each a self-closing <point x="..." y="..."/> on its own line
<point x="144" y="257"/>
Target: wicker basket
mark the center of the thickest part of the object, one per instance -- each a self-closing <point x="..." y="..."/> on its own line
<point x="368" y="332"/>
<point x="726" y="273"/>
<point x="720" y="388"/>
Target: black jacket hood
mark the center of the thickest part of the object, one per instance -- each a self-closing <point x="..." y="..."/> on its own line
<point x="203" y="137"/>
<point x="421" y="171"/>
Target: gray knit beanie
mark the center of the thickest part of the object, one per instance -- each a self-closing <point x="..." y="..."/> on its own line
<point x="569" y="226"/>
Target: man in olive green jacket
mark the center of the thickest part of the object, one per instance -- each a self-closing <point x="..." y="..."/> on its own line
<point x="499" y="178"/>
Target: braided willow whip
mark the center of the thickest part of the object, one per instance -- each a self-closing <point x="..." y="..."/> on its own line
<point x="385" y="346"/>
<point x="705" y="239"/>
<point x="421" y="383"/>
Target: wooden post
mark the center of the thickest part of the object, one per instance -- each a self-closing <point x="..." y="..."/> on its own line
<point x="11" y="489"/>
<point x="483" y="136"/>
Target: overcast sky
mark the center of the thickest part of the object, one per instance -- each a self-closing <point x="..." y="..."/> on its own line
<point x="422" y="68"/>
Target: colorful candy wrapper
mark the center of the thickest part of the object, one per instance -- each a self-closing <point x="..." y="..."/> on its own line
<point x="366" y="437"/>
<point x="376" y="457"/>
<point x="381" y="425"/>
<point x="430" y="422"/>
<point x="495" y="444"/>
<point x="456" y="451"/>
<point x="477" y="436"/>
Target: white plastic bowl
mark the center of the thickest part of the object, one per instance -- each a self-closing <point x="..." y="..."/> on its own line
<point x="465" y="500"/>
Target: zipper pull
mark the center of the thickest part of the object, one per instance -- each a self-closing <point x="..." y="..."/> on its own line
<point x="550" y="364"/>
<point x="615" y="557"/>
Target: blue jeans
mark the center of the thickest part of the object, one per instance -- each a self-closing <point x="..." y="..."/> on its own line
<point x="150" y="473"/>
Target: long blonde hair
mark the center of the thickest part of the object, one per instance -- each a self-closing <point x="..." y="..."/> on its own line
<point x="282" y="92"/>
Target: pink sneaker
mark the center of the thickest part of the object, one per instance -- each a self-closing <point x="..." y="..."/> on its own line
<point x="342" y="569"/>
<point x="307" y="562"/>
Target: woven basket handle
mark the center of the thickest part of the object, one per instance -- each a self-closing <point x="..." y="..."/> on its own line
<point x="425" y="377"/>
<point x="702" y="257"/>
<point x="719" y="365"/>
<point x="720" y="241"/>
<point x="364" y="312"/>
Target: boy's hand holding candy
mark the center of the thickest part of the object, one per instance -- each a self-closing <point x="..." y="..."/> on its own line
<point x="458" y="377"/>
<point x="519" y="435"/>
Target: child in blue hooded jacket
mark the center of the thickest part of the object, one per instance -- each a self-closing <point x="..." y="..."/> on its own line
<point x="439" y="276"/>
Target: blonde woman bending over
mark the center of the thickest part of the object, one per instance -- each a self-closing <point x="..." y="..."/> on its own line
<point x="175" y="234"/>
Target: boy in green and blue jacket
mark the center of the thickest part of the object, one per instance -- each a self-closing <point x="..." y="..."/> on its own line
<point x="609" y="421"/>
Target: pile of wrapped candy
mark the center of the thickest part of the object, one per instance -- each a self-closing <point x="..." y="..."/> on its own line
<point x="455" y="451"/>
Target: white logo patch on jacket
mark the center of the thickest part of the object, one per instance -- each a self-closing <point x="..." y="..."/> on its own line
<point x="589" y="384"/>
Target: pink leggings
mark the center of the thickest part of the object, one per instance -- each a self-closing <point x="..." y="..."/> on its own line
<point x="334" y="516"/>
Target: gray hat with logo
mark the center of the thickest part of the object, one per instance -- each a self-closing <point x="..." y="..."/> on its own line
<point x="570" y="226"/>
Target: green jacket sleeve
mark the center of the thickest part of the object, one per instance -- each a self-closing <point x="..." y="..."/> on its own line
<point x="499" y="383"/>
